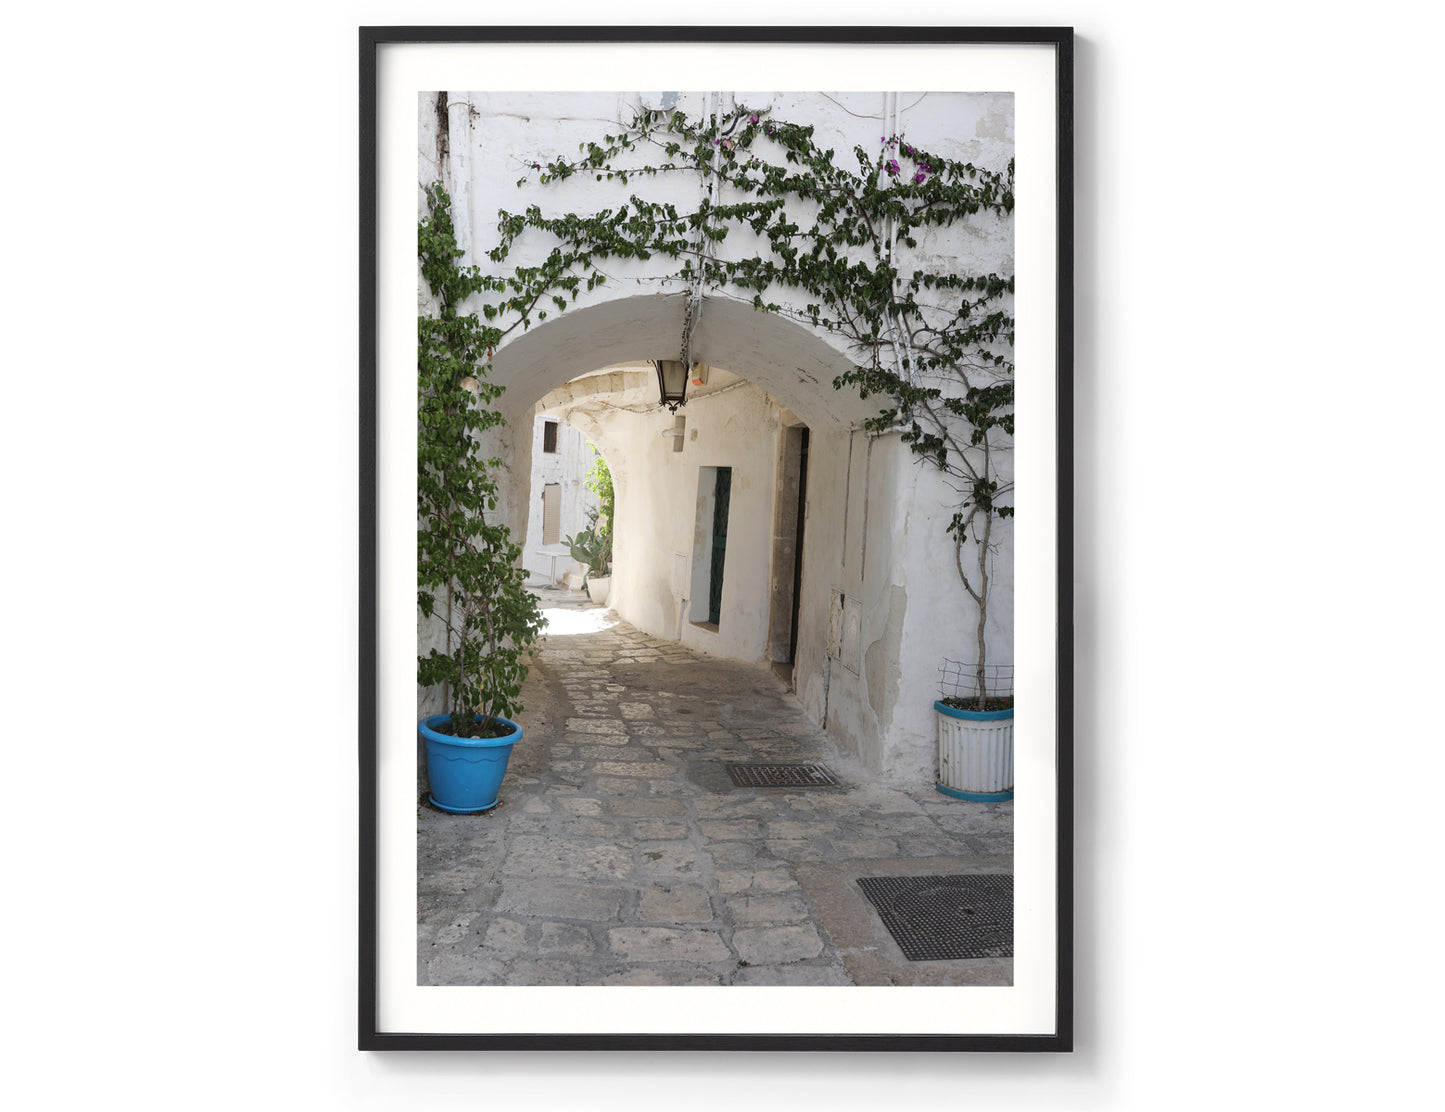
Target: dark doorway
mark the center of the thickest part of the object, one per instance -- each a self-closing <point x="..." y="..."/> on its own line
<point x="790" y="511"/>
<point x="798" y="549"/>
<point x="721" y="496"/>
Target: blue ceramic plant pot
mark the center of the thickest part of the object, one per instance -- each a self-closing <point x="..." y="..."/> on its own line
<point x="465" y="773"/>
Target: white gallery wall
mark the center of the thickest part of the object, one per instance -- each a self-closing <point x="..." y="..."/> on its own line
<point x="1257" y="395"/>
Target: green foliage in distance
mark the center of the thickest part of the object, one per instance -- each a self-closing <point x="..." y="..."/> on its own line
<point x="599" y="482"/>
<point x="593" y="545"/>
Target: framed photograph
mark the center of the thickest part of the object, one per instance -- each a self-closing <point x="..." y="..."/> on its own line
<point x="716" y="511"/>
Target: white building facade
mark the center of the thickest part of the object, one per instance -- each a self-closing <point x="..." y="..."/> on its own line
<point x="831" y="561"/>
<point x="560" y="498"/>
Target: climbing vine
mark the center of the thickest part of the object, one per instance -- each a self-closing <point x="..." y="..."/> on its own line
<point x="776" y="211"/>
<point x="467" y="566"/>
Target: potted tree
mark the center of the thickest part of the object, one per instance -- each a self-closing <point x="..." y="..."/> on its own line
<point x="469" y="576"/>
<point x="976" y="706"/>
<point x="592" y="547"/>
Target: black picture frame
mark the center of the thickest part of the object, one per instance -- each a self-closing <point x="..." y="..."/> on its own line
<point x="372" y="1033"/>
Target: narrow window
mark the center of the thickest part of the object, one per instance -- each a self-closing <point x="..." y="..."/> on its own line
<point x="551" y="513"/>
<point x="549" y="436"/>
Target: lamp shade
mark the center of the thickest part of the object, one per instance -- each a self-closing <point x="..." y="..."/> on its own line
<point x="671" y="382"/>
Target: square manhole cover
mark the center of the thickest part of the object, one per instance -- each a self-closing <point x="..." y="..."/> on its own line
<point x="748" y="775"/>
<point x="937" y="918"/>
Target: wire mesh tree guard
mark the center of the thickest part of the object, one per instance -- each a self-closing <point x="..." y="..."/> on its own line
<point x="959" y="680"/>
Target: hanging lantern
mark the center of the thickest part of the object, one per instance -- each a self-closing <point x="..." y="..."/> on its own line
<point x="671" y="382"/>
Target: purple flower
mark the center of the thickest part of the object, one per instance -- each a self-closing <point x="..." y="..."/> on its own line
<point x="891" y="166"/>
<point x="907" y="150"/>
<point x="919" y="177"/>
<point x="883" y="139"/>
<point x="753" y="118"/>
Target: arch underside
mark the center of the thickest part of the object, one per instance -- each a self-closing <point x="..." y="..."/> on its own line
<point x="787" y="360"/>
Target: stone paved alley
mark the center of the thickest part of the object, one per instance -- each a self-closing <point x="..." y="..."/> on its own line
<point x="621" y="853"/>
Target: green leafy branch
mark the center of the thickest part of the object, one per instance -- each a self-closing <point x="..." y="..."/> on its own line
<point x="468" y="576"/>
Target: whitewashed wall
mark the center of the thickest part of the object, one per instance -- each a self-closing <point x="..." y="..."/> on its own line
<point x="567" y="467"/>
<point x="875" y="547"/>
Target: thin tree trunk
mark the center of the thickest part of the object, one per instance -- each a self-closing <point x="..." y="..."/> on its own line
<point x="981" y="675"/>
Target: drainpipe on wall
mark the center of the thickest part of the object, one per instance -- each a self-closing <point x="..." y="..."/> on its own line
<point x="459" y="150"/>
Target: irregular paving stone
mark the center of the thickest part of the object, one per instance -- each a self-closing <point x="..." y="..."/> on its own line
<point x="582" y="805"/>
<point x="451" y="967"/>
<point x="454" y="931"/>
<point x="889" y="802"/>
<point x="569" y="766"/>
<point x="564" y="938"/>
<point x="596" y="726"/>
<point x="635" y="710"/>
<point x="505" y="935"/>
<point x="793" y="975"/>
<point x="645" y="807"/>
<point x="937" y="846"/>
<point x="893" y="826"/>
<point x="799" y="829"/>
<point x="660" y="830"/>
<point x="634" y="768"/>
<point x="673" y="859"/>
<point x="734" y="881"/>
<point x="668" y="731"/>
<point x="561" y="902"/>
<point x="766" y="909"/>
<point x="730" y="830"/>
<point x="659" y="977"/>
<point x="625" y="753"/>
<point x="600" y="739"/>
<point x="653" y="944"/>
<point x="864" y="848"/>
<point x="796" y="851"/>
<point x="456" y="880"/>
<point x="549" y="971"/>
<point x="734" y="807"/>
<point x="777" y="945"/>
<point x="533" y="855"/>
<point x="678" y="903"/>
<point x="733" y="853"/>
<point x="612" y="785"/>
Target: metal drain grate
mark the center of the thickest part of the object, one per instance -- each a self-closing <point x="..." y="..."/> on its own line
<point x="937" y="918"/>
<point x="781" y="776"/>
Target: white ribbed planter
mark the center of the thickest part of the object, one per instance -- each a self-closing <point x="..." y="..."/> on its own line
<point x="975" y="753"/>
<point x="598" y="588"/>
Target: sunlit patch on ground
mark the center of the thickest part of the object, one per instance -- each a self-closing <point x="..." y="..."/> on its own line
<point x="562" y="622"/>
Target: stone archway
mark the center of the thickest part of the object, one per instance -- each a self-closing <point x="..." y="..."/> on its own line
<point x="837" y="613"/>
